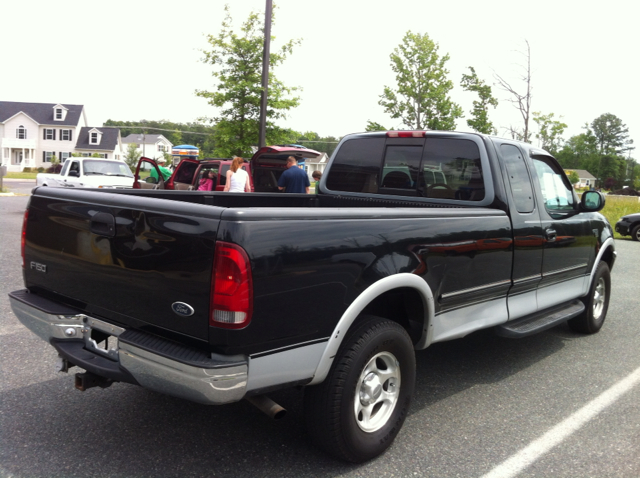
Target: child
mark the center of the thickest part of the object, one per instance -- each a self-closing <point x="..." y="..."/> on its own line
<point x="206" y="183"/>
<point x="316" y="175"/>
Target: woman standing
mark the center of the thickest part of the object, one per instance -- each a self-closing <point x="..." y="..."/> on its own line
<point x="237" y="178"/>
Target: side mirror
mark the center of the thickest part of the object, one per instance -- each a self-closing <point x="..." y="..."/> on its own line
<point x="151" y="180"/>
<point x="592" y="201"/>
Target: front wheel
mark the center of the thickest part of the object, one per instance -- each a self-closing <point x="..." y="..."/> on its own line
<point x="356" y="413"/>
<point x="596" y="303"/>
<point x="635" y="233"/>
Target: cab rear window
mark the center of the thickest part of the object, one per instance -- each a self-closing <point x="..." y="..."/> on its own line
<point x="439" y="168"/>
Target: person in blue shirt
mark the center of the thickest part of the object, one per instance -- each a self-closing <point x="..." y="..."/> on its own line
<point x="294" y="179"/>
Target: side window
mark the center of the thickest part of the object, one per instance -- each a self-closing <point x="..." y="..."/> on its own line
<point x="75" y="166"/>
<point x="451" y="169"/>
<point x="519" y="179"/>
<point x="557" y="193"/>
<point x="356" y="166"/>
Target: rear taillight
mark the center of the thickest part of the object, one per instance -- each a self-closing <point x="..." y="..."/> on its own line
<point x="231" y="287"/>
<point x="23" y="238"/>
<point x="406" y="134"/>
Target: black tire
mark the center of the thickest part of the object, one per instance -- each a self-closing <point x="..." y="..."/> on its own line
<point x="635" y="233"/>
<point x="357" y="412"/>
<point x="596" y="303"/>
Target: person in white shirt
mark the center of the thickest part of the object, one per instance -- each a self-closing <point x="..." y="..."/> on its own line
<point x="237" y="178"/>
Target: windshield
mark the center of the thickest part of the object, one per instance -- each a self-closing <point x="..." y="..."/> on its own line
<point x="107" y="168"/>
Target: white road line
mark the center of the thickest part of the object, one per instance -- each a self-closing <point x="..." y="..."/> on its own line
<point x="528" y="455"/>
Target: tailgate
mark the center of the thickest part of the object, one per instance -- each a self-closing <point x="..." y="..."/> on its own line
<point x="124" y="258"/>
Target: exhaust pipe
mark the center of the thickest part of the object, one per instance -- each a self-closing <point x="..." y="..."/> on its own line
<point x="267" y="406"/>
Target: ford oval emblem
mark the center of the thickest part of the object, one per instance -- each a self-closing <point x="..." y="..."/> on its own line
<point x="182" y="309"/>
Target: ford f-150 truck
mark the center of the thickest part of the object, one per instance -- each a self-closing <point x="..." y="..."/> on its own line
<point x="415" y="237"/>
<point x="89" y="173"/>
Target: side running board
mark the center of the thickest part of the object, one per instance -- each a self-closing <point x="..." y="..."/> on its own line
<point x="539" y="321"/>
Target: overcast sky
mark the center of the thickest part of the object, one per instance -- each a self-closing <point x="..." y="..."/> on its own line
<point x="133" y="60"/>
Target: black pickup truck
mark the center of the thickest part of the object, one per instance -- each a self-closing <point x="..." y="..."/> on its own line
<point x="414" y="238"/>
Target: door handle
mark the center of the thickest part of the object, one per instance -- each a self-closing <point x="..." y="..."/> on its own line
<point x="551" y="235"/>
<point x="103" y="224"/>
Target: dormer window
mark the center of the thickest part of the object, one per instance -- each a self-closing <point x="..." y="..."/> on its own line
<point x="94" y="136"/>
<point x="21" y="132"/>
<point x="59" y="113"/>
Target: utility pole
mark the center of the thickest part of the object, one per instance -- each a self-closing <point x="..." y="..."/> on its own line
<point x="265" y="74"/>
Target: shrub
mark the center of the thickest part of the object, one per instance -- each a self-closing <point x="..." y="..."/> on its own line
<point x="55" y="169"/>
<point x="26" y="170"/>
<point x="41" y="169"/>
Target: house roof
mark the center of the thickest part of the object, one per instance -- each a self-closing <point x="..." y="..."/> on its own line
<point x="139" y="137"/>
<point x="41" y="113"/>
<point x="108" y="142"/>
<point x="582" y="173"/>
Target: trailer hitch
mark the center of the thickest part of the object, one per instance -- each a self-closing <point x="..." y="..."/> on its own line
<point x="88" y="380"/>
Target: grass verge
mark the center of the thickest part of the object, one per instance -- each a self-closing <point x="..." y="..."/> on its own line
<point x="618" y="206"/>
<point x="14" y="175"/>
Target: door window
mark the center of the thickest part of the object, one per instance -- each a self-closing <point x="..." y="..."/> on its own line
<point x="557" y="193"/>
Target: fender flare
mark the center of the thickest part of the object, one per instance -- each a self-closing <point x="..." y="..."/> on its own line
<point x="606" y="245"/>
<point x="395" y="281"/>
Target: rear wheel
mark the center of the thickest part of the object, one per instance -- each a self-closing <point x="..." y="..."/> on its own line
<point x="356" y="413"/>
<point x="635" y="233"/>
<point x="596" y="303"/>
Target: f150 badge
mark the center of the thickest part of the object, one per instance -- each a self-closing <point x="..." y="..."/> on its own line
<point x="182" y="309"/>
<point x="38" y="267"/>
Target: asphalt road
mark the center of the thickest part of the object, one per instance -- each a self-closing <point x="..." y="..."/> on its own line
<point x="479" y="401"/>
<point x="19" y="186"/>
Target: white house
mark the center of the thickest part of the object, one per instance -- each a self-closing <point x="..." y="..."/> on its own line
<point x="105" y="142"/>
<point x="31" y="133"/>
<point x="149" y="145"/>
<point x="586" y="178"/>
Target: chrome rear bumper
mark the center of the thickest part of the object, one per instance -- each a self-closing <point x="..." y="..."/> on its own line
<point x="149" y="361"/>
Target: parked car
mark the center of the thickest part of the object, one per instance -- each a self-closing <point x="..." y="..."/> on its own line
<point x="89" y="173"/>
<point x="629" y="225"/>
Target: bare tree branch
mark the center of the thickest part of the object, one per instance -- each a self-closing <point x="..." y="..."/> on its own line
<point x="522" y="102"/>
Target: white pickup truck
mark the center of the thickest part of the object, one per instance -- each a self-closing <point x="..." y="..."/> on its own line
<point x="89" y="173"/>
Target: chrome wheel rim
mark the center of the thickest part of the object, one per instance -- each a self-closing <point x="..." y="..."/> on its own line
<point x="377" y="392"/>
<point x="598" y="298"/>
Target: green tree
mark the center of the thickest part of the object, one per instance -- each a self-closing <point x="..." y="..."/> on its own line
<point x="421" y="99"/>
<point x="196" y="134"/>
<point x="549" y="131"/>
<point x="611" y="134"/>
<point x="480" y="112"/>
<point x="314" y="141"/>
<point x="237" y="61"/>
<point x="373" y="126"/>
<point x="132" y="156"/>
<point x="573" y="178"/>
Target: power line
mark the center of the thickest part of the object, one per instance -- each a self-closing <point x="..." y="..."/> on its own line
<point x="158" y="129"/>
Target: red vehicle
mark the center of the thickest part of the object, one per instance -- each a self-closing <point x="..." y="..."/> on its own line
<point x="264" y="170"/>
